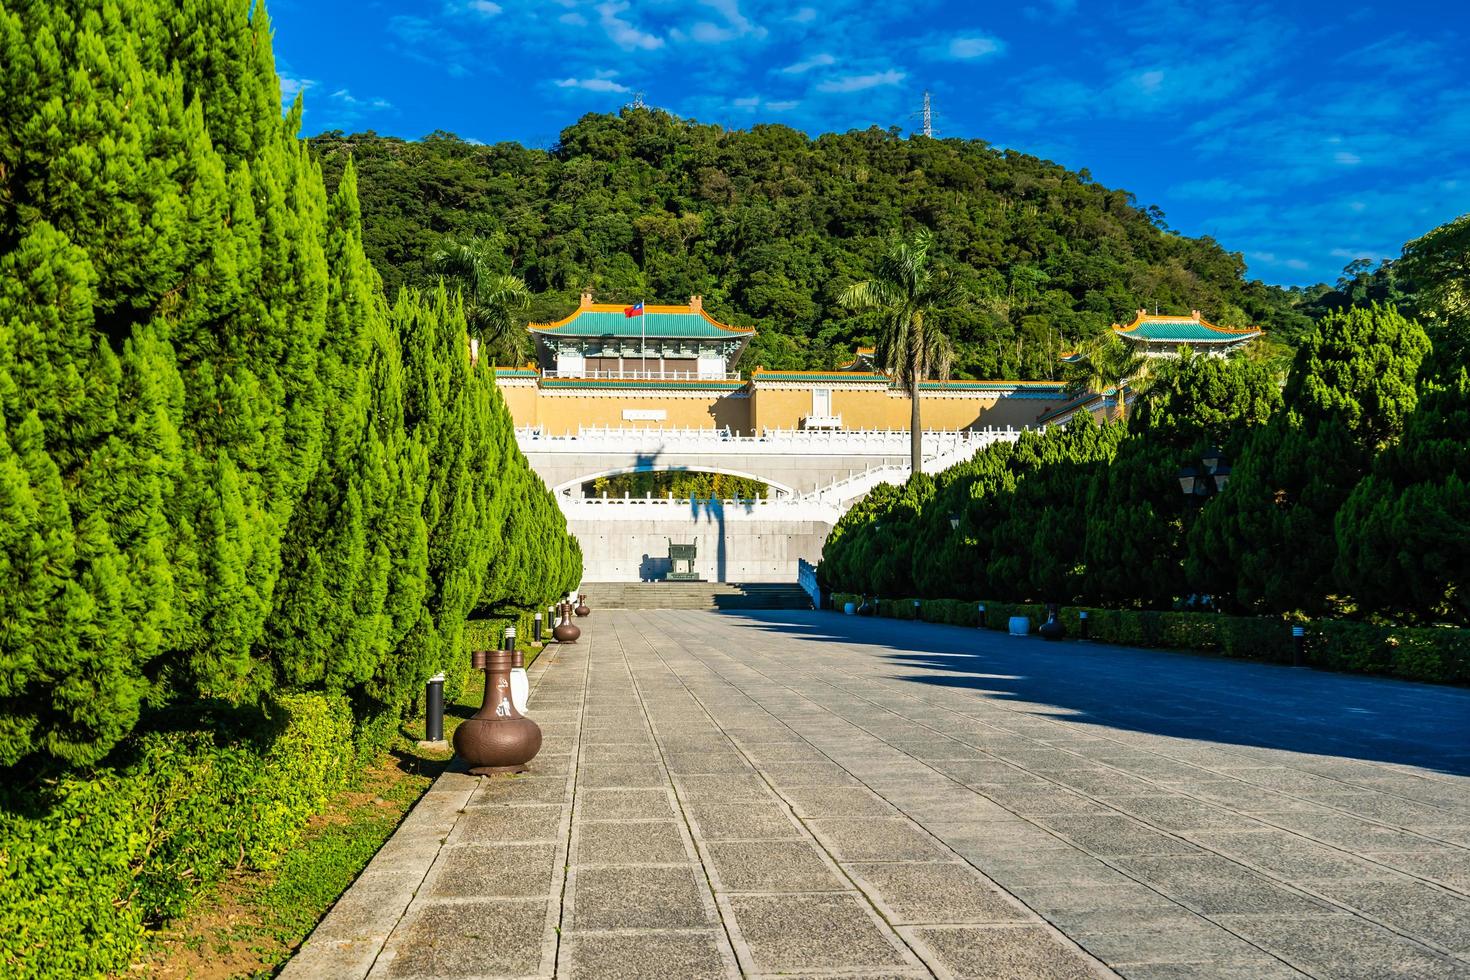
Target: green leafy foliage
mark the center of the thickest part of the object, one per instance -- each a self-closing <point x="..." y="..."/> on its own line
<point x="1434" y="655"/>
<point x="682" y="485"/>
<point x="1269" y="540"/>
<point x="245" y="506"/>
<point x="1401" y="535"/>
<point x="1346" y="497"/>
<point x="87" y="860"/>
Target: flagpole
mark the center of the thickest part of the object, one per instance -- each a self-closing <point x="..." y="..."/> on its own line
<point x="643" y="326"/>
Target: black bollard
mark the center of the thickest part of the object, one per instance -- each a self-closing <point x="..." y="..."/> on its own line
<point x="1082" y="624"/>
<point x="1298" y="646"/>
<point x="536" y="629"/>
<point x="434" y="710"/>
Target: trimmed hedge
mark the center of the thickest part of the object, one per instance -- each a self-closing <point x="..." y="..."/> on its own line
<point x="1435" y="655"/>
<point x="87" y="861"/>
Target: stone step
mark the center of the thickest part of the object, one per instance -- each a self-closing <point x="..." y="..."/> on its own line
<point x="694" y="595"/>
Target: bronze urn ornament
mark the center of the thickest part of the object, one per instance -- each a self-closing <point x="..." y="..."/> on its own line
<point x="1052" y="629"/>
<point x="566" y="631"/>
<point x="582" y="608"/>
<point x="498" y="738"/>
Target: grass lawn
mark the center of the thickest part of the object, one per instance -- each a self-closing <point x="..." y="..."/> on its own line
<point x="250" y="924"/>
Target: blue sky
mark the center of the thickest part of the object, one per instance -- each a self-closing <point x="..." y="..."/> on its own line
<point x="1303" y="135"/>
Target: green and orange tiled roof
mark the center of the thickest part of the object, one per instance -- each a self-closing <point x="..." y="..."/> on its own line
<point x="609" y="320"/>
<point x="1153" y="328"/>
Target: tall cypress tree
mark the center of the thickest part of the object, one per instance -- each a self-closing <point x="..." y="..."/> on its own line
<point x="1401" y="535"/>
<point x="1269" y="539"/>
<point x="448" y="410"/>
<point x="91" y="246"/>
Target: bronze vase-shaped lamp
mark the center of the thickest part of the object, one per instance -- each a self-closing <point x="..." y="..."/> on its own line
<point x="582" y="608"/>
<point x="566" y="631"/>
<point x="498" y="738"/>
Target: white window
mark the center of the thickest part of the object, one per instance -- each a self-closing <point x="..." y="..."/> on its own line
<point x="821" y="402"/>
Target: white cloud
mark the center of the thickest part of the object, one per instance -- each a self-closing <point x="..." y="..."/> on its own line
<point x="1149" y="82"/>
<point x="573" y="19"/>
<point x="975" y="46"/>
<point x="785" y="105"/>
<point x="815" y="61"/>
<point x="1346" y="159"/>
<point x="292" y="86"/>
<point x="803" y="15"/>
<point x="483" y="7"/>
<point x="857" y="83"/>
<point x="1214" y="189"/>
<point x="749" y="102"/>
<point x="592" y="84"/>
<point x="1353" y="254"/>
<point x="346" y="97"/>
<point x="622" y="32"/>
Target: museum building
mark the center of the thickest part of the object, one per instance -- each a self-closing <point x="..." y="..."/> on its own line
<point x="666" y="366"/>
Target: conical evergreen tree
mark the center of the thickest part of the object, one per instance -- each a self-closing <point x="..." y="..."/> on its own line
<point x="1269" y="539"/>
<point x="1401" y="535"/>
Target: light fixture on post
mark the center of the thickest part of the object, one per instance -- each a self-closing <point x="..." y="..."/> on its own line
<point x="1207" y="479"/>
<point x="954" y="522"/>
<point x="1188" y="477"/>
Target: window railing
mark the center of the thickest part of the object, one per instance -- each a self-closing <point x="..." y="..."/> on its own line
<point x="649" y="374"/>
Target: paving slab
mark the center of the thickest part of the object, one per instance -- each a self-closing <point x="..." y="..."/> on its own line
<point x="786" y="933"/>
<point x="935" y="892"/>
<point x="808" y="795"/>
<point x="689" y="956"/>
<point x="1004" y="951"/>
<point x="638" y="898"/>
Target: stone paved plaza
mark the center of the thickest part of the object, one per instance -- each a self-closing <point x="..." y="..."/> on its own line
<point x="808" y="794"/>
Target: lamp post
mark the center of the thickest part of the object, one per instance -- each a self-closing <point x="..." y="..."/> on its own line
<point x="1209" y="478"/>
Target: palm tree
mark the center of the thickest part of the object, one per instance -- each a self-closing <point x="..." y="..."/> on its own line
<point x="905" y="291"/>
<point x="491" y="300"/>
<point x="1110" y="363"/>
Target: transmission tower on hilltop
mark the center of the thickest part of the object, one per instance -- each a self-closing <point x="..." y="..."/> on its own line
<point x="925" y="116"/>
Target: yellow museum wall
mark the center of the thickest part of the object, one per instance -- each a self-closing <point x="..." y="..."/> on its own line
<point x="561" y="412"/>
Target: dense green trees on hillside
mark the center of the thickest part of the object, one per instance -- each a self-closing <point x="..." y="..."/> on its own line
<point x="769" y="225"/>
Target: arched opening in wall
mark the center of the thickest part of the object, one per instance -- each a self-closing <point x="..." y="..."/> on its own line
<point x="681" y="484"/>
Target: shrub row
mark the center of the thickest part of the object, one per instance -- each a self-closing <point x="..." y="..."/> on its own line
<point x="88" y="861"/>
<point x="1436" y="655"/>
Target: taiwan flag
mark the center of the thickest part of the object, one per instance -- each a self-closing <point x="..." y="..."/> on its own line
<point x="635" y="310"/>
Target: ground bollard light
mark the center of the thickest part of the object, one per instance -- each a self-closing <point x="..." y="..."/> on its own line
<point x="536" y="629"/>
<point x="1298" y="645"/>
<point x="980" y="615"/>
<point x="1082" y="624"/>
<point x="434" y="709"/>
<point x="916" y="608"/>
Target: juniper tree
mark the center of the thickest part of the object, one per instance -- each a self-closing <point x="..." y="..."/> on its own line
<point x="1269" y="538"/>
<point x="1401" y="535"/>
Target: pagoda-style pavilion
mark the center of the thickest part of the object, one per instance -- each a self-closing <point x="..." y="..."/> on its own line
<point x="601" y="342"/>
<point x="1162" y="336"/>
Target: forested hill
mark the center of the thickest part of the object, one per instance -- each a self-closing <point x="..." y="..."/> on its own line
<point x="768" y="225"/>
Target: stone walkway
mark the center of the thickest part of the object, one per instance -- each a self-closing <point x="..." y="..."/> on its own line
<point x="809" y="794"/>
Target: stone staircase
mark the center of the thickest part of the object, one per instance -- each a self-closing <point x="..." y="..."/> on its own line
<point x="695" y="595"/>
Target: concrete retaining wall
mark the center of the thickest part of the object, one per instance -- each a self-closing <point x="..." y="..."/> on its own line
<point x="734" y="546"/>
